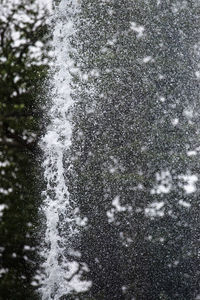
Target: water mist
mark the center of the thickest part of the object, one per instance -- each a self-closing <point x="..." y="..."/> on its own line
<point x="54" y="144"/>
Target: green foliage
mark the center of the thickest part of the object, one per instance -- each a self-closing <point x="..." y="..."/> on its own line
<point x="23" y="66"/>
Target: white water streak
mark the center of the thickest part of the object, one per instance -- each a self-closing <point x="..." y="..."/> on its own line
<point x="54" y="144"/>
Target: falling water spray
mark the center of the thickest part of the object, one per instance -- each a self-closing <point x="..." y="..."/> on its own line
<point x="55" y="144"/>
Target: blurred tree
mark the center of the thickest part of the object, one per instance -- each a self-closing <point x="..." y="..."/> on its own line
<point x="136" y="128"/>
<point x="23" y="65"/>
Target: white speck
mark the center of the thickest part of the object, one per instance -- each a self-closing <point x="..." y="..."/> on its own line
<point x="155" y="209"/>
<point x="184" y="203"/>
<point x="163" y="183"/>
<point x="138" y="29"/>
<point x="160" y="76"/>
<point x="188" y="113"/>
<point x="197" y="73"/>
<point x="192" y="153"/>
<point x="147" y="59"/>
<point x="175" y="121"/>
<point x="2" y="207"/>
<point x="190" y="183"/>
<point x="162" y="99"/>
<point x="117" y="204"/>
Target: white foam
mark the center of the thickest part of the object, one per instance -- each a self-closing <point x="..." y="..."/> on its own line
<point x="54" y="145"/>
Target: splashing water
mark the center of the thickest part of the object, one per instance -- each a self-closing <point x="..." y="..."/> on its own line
<point x="55" y="144"/>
